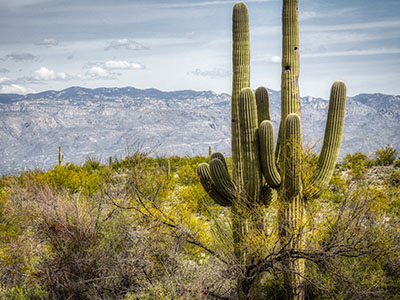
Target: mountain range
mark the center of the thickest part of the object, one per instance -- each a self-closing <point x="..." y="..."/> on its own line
<point x="103" y="122"/>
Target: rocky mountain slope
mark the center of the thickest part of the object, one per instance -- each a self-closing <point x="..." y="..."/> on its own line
<point x="101" y="122"/>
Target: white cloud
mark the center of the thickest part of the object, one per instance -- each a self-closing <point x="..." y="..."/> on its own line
<point x="15" y="89"/>
<point x="128" y="44"/>
<point x="97" y="72"/>
<point x="276" y="59"/>
<point x="306" y="15"/>
<point x="48" y="42"/>
<point x="4" y="79"/>
<point x="209" y="3"/>
<point x="122" y="65"/>
<point x="354" y="26"/>
<point x="216" y="72"/>
<point x="45" y="74"/>
<point x="353" y="53"/>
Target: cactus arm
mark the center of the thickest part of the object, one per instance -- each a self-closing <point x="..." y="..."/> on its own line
<point x="293" y="156"/>
<point x="249" y="144"/>
<point x="203" y="171"/>
<point x="222" y="180"/>
<point x="220" y="156"/>
<point x="262" y="99"/>
<point x="332" y="140"/>
<point x="268" y="165"/>
<point x="241" y="78"/>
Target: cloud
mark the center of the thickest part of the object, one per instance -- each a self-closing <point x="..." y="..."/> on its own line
<point x="210" y="3"/>
<point x="15" y="89"/>
<point x="353" y="53"/>
<point x="69" y="57"/>
<point x="276" y="59"/>
<point x="4" y="70"/>
<point x="99" y="73"/>
<point x="48" y="42"/>
<point x="354" y="26"/>
<point x="190" y="35"/>
<point x="127" y="44"/>
<point x="122" y="65"/>
<point x="19" y="3"/>
<point x="4" y="79"/>
<point x="44" y="74"/>
<point x="20" y="56"/>
<point x="216" y="72"/>
<point x="307" y="15"/>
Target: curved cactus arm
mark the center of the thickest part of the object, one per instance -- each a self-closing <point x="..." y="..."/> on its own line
<point x="252" y="179"/>
<point x="262" y="99"/>
<point x="203" y="171"/>
<point x="268" y="194"/>
<point x="332" y="140"/>
<point x="268" y="164"/>
<point x="293" y="156"/>
<point x="220" y="156"/>
<point x="241" y="78"/>
<point x="222" y="180"/>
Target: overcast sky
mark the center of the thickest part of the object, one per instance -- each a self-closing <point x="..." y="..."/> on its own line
<point x="186" y="44"/>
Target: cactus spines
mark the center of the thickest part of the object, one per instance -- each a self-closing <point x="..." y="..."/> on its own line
<point x="241" y="76"/>
<point x="292" y="156"/>
<point x="60" y="156"/>
<point x="332" y="139"/>
<point x="268" y="163"/>
<point x="220" y="156"/>
<point x="203" y="171"/>
<point x="262" y="99"/>
<point x="249" y="144"/>
<point x="222" y="179"/>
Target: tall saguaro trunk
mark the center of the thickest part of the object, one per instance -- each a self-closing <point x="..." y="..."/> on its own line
<point x="289" y="145"/>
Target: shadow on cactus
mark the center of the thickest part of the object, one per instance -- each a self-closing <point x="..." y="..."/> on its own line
<point x="263" y="172"/>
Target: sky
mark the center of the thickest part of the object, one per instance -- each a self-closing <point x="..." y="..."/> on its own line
<point x="186" y="44"/>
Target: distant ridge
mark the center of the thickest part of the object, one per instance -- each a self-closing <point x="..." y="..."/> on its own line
<point x="114" y="121"/>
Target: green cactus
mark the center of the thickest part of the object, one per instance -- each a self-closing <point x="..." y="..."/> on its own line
<point x="168" y="167"/>
<point x="261" y="174"/>
<point x="60" y="156"/>
<point x="209" y="150"/>
<point x="241" y="78"/>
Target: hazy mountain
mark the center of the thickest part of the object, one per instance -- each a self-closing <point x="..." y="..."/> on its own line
<point x="116" y="121"/>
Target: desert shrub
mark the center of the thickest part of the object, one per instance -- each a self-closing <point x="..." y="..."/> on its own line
<point x="396" y="163"/>
<point x="129" y="231"/>
<point x="356" y="163"/>
<point x="385" y="156"/>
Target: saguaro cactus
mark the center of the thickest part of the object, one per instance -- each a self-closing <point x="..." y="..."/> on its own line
<point x="60" y="156"/>
<point x="261" y="173"/>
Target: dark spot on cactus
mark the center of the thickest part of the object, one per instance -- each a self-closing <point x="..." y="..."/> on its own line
<point x="296" y="50"/>
<point x="233" y="121"/>
<point x="287" y="68"/>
